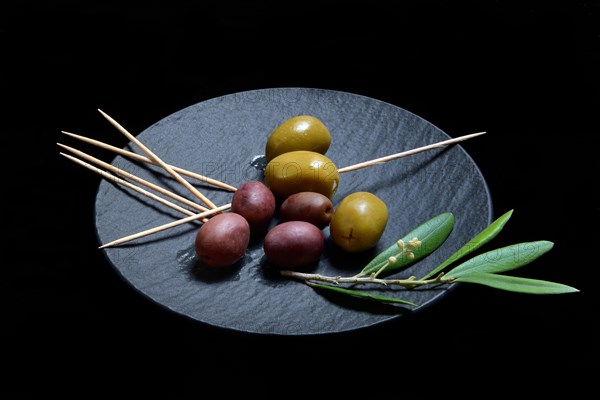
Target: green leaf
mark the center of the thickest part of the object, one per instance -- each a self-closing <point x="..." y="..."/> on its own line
<point x="431" y="233"/>
<point x="502" y="259"/>
<point x="518" y="284"/>
<point x="482" y="238"/>
<point x="358" y="293"/>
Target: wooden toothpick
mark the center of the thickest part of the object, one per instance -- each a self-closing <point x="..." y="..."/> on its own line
<point x="385" y="159"/>
<point x="166" y="226"/>
<point x="116" y="179"/>
<point x="129" y="175"/>
<point x="142" y="158"/>
<point x="160" y="162"/>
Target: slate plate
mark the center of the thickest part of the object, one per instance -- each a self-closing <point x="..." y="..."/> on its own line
<point x="224" y="138"/>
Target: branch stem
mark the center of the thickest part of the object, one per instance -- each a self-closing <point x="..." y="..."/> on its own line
<point x="410" y="282"/>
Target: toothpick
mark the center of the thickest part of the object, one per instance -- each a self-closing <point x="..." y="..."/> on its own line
<point x="142" y="158"/>
<point x="160" y="162"/>
<point x="120" y="181"/>
<point x="385" y="159"/>
<point x="129" y="175"/>
<point x="166" y="226"/>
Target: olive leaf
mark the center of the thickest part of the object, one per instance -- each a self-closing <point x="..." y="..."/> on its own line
<point x="482" y="269"/>
<point x="482" y="238"/>
<point x="517" y="284"/>
<point x="431" y="235"/>
<point x="362" y="294"/>
<point x="502" y="259"/>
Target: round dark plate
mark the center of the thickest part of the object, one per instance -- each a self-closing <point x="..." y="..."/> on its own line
<point x="224" y="138"/>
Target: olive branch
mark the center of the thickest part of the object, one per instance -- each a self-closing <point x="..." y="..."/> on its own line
<point x="485" y="269"/>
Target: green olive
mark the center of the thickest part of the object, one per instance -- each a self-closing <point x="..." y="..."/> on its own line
<point x="358" y="222"/>
<point x="302" y="132"/>
<point x="301" y="171"/>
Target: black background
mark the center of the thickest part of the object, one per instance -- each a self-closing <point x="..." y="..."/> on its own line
<point x="526" y="72"/>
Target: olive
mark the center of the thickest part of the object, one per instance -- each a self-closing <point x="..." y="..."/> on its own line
<point x="294" y="244"/>
<point x="358" y="221"/>
<point x="301" y="171"/>
<point x="312" y="207"/>
<point x="222" y="240"/>
<point x="302" y="132"/>
<point x="254" y="201"/>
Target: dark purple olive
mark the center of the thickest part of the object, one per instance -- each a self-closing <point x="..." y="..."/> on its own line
<point x="222" y="240"/>
<point x="294" y="244"/>
<point x="312" y="207"/>
<point x="254" y="201"/>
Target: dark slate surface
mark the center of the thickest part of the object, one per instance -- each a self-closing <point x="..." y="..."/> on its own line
<point x="223" y="138"/>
